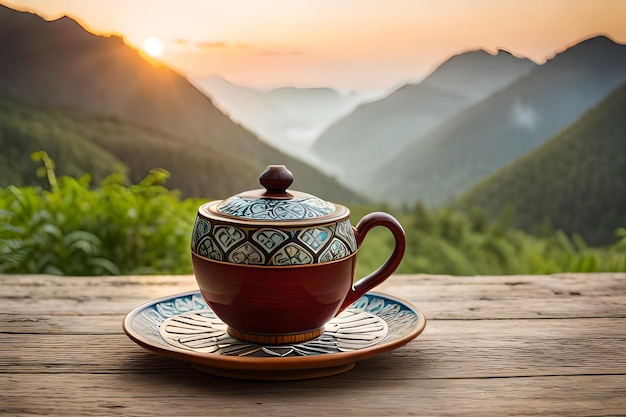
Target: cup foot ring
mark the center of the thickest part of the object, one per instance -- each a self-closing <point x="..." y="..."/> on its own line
<point x="275" y="339"/>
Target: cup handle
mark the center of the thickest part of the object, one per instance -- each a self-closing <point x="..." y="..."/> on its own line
<point x="366" y="224"/>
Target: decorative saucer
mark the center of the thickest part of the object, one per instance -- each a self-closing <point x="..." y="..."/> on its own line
<point x="183" y="327"/>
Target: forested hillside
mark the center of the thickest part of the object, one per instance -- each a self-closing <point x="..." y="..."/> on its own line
<point x="82" y="143"/>
<point x="143" y="114"/>
<point x="72" y="227"/>
<point x="575" y="182"/>
<point x="470" y="145"/>
<point x="359" y="143"/>
<point x="27" y="129"/>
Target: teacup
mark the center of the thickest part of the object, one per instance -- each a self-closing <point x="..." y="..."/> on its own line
<point x="276" y="265"/>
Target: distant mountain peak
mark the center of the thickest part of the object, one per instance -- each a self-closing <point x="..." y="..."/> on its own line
<point x="506" y="125"/>
<point x="65" y="20"/>
<point x="72" y="26"/>
<point x="32" y="31"/>
<point x="598" y="39"/>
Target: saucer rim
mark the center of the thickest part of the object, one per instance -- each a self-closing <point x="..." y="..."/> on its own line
<point x="248" y="363"/>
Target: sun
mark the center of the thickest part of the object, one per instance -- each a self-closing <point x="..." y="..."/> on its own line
<point x="153" y="47"/>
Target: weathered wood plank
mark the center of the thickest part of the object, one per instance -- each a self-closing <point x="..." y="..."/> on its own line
<point x="60" y="324"/>
<point x="45" y="294"/>
<point x="189" y="393"/>
<point x="565" y="307"/>
<point x="412" y="286"/>
<point x="447" y="349"/>
<point x="440" y="297"/>
<point x="522" y="345"/>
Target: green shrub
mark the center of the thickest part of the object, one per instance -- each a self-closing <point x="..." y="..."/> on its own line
<point x="449" y="242"/>
<point x="114" y="229"/>
<point x="73" y="229"/>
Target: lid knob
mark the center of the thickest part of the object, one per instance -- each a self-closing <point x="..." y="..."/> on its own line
<point x="276" y="179"/>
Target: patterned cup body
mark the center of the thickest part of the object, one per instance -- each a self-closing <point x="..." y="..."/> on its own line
<point x="273" y="282"/>
<point x="272" y="245"/>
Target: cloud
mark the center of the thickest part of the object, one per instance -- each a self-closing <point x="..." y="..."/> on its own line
<point x="221" y="47"/>
<point x="280" y="53"/>
<point x="211" y="45"/>
<point x="524" y="116"/>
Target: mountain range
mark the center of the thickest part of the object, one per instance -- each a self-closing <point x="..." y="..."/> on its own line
<point x="433" y="140"/>
<point x="288" y="118"/>
<point x="58" y="67"/>
<point x="361" y="142"/>
<point x="547" y="140"/>
<point x="438" y="166"/>
<point x="575" y="182"/>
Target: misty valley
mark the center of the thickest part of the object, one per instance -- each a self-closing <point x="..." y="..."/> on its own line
<point x="492" y="163"/>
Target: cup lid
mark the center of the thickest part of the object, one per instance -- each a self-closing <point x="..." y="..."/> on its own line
<point x="276" y="203"/>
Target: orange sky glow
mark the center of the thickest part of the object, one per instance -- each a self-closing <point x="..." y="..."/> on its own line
<point x="356" y="44"/>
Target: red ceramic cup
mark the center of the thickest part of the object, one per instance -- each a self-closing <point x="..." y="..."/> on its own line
<point x="276" y="265"/>
<point x="285" y="304"/>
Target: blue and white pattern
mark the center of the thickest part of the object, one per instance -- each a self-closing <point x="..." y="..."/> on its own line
<point x="228" y="236"/>
<point x="292" y="254"/>
<point x="273" y="246"/>
<point x="316" y="237"/>
<point x="201" y="228"/>
<point x="273" y="209"/>
<point x="269" y="239"/>
<point x="185" y="322"/>
<point x="208" y="249"/>
<point x="336" y="250"/>
<point x="246" y="254"/>
<point x="345" y="232"/>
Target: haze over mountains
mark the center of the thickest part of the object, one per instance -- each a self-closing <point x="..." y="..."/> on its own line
<point x="545" y="140"/>
<point x="92" y="102"/>
<point x="575" y="182"/>
<point x="440" y="166"/>
<point x="89" y="80"/>
<point x="477" y="112"/>
<point x="288" y="118"/>
<point x="363" y="141"/>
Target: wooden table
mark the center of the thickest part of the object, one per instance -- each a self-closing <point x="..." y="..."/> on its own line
<point x="513" y="345"/>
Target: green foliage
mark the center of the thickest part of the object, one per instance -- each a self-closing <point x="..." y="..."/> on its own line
<point x="115" y="229"/>
<point x="100" y="145"/>
<point x="447" y="241"/>
<point x="81" y="141"/>
<point x="27" y="128"/>
<point x="144" y="228"/>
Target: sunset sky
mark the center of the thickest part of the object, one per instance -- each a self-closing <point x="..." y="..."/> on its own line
<point x="355" y="44"/>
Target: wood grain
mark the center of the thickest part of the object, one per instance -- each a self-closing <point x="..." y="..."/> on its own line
<point x="537" y="348"/>
<point x="188" y="393"/>
<point x="518" y="345"/>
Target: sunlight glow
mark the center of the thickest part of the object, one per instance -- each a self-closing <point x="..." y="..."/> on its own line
<point x="353" y="44"/>
<point x="153" y="47"/>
